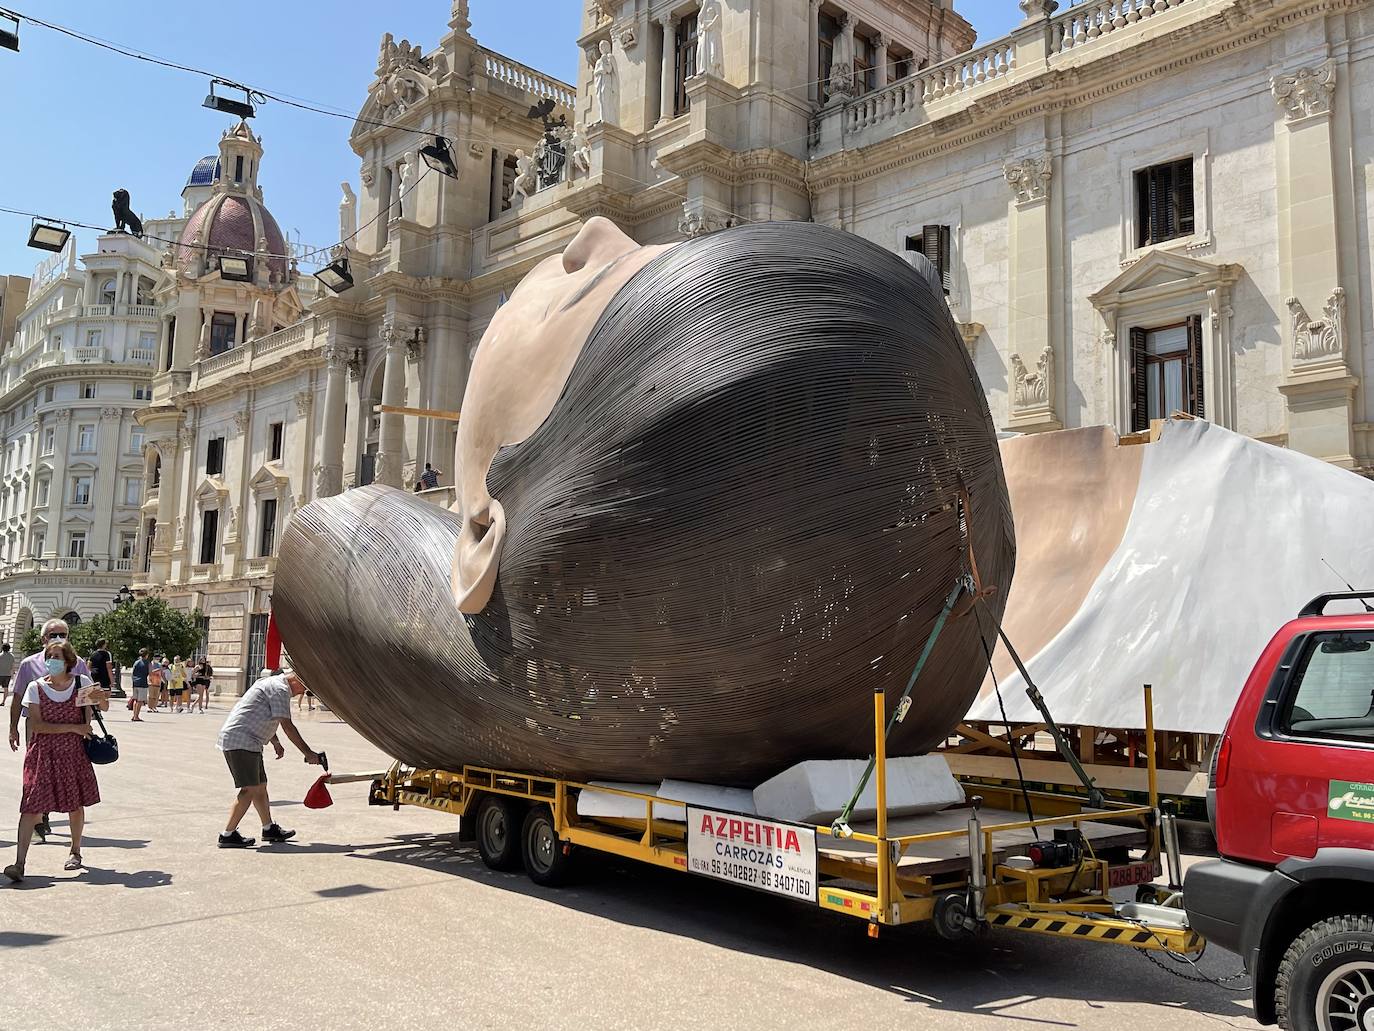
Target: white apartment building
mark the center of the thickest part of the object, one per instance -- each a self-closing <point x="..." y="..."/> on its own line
<point x="78" y="366"/>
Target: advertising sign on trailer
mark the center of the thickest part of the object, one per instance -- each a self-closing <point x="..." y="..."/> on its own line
<point x="766" y="854"/>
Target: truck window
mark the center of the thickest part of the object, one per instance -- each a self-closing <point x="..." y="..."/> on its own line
<point x="1331" y="694"/>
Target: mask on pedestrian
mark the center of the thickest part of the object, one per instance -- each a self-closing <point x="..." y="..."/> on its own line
<point x="56" y="667"/>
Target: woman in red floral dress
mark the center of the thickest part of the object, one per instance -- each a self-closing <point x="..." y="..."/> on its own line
<point x="58" y="778"/>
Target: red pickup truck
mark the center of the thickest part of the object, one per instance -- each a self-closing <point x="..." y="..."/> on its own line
<point x="1291" y="793"/>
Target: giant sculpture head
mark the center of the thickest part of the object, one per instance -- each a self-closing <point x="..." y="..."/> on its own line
<point x="708" y="501"/>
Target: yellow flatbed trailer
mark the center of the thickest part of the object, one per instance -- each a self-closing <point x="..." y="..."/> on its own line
<point x="961" y="869"/>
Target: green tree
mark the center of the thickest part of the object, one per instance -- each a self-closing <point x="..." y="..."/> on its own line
<point x="149" y="623"/>
<point x="30" y="642"/>
<point x="87" y="632"/>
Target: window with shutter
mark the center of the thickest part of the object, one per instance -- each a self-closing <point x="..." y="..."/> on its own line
<point x="1166" y="372"/>
<point x="1164" y="202"/>
<point x="934" y="242"/>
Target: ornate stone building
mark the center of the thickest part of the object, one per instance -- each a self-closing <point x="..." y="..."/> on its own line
<point x="1137" y="206"/>
<point x="77" y="366"/>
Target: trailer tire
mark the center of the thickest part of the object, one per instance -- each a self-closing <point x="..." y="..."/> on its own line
<point x="548" y="859"/>
<point x="1327" y="971"/>
<point x="498" y="835"/>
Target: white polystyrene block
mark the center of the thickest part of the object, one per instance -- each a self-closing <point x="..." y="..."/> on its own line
<point x="602" y="803"/>
<point x="708" y="796"/>
<point x="816" y="791"/>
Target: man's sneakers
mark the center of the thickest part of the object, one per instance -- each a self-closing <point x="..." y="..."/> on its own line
<point x="274" y="833"/>
<point x="235" y="840"/>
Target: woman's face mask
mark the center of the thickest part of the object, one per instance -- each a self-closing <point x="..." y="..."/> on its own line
<point x="56" y="667"/>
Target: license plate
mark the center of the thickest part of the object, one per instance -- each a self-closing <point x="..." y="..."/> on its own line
<point x="1133" y="873"/>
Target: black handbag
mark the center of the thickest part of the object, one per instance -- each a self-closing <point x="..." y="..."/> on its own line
<point x="101" y="750"/>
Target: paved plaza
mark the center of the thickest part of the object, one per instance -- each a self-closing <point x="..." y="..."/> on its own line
<point x="376" y="918"/>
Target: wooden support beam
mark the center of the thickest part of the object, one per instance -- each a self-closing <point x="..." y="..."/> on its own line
<point x="420" y="413"/>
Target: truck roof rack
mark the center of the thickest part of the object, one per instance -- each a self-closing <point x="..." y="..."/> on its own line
<point x="1317" y="606"/>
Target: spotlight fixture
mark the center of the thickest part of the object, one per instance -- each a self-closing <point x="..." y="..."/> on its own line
<point x="235" y="268"/>
<point x="336" y="275"/>
<point x="9" y="37"/>
<point x="243" y="108"/>
<point x="48" y="235"/>
<point x="439" y="156"/>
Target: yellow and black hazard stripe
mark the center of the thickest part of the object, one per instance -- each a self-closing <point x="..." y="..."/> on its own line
<point x="1102" y="929"/>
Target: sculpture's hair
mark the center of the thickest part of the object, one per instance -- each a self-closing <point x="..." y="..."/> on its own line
<point x="741" y="517"/>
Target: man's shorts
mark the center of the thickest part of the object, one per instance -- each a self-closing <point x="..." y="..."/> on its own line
<point x="246" y="767"/>
<point x="140" y="694"/>
<point x="5" y="684"/>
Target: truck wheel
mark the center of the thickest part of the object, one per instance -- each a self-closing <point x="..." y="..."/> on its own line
<point x="498" y="837"/>
<point x="1326" y="978"/>
<point x="548" y="860"/>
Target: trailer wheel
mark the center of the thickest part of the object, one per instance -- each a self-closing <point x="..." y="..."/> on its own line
<point x="498" y="838"/>
<point x="548" y="860"/>
<point x="1326" y="978"/>
<point x="950" y="917"/>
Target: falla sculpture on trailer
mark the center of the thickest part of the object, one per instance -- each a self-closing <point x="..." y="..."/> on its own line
<point x="710" y="496"/>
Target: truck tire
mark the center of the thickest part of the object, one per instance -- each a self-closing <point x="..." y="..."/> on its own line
<point x="1326" y="978"/>
<point x="498" y="832"/>
<point x="548" y="860"/>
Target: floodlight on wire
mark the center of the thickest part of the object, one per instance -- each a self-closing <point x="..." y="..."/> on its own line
<point x="439" y="156"/>
<point x="47" y="234"/>
<point x="243" y="108"/>
<point x="9" y="37"/>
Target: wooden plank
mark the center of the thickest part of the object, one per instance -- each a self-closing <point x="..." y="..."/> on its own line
<point x="1047" y="771"/>
<point x="420" y="413"/>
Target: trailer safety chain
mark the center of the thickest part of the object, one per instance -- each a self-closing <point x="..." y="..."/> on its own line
<point x="1180" y="958"/>
<point x="965" y="584"/>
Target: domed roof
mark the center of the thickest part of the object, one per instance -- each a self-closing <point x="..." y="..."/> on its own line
<point x="205" y="171"/>
<point x="230" y="222"/>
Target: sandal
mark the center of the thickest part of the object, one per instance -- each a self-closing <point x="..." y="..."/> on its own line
<point x="73" y="862"/>
<point x="14" y="872"/>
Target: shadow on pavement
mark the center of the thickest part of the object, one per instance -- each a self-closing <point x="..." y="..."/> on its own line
<point x="994" y="975"/>
<point x="21" y="939"/>
<point x="98" y="876"/>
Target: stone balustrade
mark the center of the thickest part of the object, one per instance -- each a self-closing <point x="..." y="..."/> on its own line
<point x="97" y="311"/>
<point x="249" y="353"/>
<point x="1085" y="22"/>
<point x="90" y="355"/>
<point x="990" y="67"/>
<point x="142" y="355"/>
<point x="502" y="69"/>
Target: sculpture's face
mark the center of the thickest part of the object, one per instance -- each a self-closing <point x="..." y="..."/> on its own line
<point x="517" y="376"/>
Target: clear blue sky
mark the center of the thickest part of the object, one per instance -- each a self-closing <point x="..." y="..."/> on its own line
<point x="78" y="121"/>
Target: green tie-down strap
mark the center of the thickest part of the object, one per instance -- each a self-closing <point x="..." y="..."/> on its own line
<point x="965" y="584"/>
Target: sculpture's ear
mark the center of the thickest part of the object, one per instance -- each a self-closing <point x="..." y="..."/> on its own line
<point x="479" y="557"/>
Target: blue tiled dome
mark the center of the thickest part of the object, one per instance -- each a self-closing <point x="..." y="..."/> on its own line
<point x="205" y="171"/>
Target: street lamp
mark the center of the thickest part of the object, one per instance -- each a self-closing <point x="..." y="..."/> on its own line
<point x="124" y="597"/>
<point x="9" y="37"/>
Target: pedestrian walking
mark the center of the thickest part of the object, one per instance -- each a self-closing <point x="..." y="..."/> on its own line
<point x="204" y="674"/>
<point x="141" y="673"/>
<point x="6" y="672"/>
<point x="157" y="693"/>
<point x="100" y="662"/>
<point x="34" y="667"/>
<point x="253" y="724"/>
<point x="178" y="679"/>
<point x="58" y="777"/>
<point x="429" y="479"/>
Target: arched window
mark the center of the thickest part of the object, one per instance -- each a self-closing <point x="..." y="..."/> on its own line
<point x="107" y="292"/>
<point x="71" y="619"/>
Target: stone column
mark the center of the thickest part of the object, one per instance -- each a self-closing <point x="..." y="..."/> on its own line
<point x="105" y="484"/>
<point x="813" y="51"/>
<point x="329" y="480"/>
<point x="391" y="439"/>
<point x="1320" y="382"/>
<point x="168" y="450"/>
<point x="1032" y="387"/>
<point x="881" y="72"/>
<point x="59" y="492"/>
<point x="669" y="68"/>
